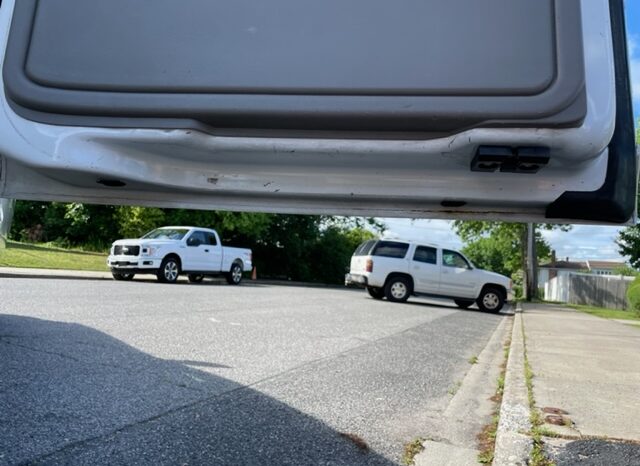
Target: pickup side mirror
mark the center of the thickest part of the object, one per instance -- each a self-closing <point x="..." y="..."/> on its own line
<point x="193" y="242"/>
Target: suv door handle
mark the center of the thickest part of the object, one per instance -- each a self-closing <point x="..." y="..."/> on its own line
<point x="206" y="250"/>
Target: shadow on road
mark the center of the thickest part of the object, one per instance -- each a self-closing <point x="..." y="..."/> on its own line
<point x="74" y="395"/>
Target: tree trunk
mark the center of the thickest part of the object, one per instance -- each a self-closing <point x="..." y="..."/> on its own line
<point x="6" y="217"/>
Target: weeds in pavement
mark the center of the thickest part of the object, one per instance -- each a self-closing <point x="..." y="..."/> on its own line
<point x="538" y="455"/>
<point x="411" y="449"/>
<point x="453" y="390"/>
<point x="487" y="436"/>
<point x="473" y="360"/>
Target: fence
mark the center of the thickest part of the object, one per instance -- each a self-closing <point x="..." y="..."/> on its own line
<point x="607" y="291"/>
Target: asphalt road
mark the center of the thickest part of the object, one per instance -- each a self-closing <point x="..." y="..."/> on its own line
<point x="102" y="372"/>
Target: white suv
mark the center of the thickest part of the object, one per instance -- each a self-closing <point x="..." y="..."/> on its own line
<point x="398" y="269"/>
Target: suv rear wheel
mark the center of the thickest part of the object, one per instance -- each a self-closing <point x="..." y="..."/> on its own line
<point x="490" y="300"/>
<point x="375" y="293"/>
<point x="397" y="289"/>
<point x="463" y="303"/>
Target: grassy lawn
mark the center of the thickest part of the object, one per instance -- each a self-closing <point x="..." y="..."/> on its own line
<point x="606" y="313"/>
<point x="47" y="257"/>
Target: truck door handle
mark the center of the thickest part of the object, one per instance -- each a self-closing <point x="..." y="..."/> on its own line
<point x="206" y="250"/>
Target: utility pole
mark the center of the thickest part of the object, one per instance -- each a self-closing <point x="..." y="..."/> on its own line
<point x="532" y="278"/>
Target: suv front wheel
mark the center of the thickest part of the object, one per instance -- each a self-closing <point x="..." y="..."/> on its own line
<point x="490" y="300"/>
<point x="397" y="289"/>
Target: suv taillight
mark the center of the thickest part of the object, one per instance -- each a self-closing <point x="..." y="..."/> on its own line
<point x="369" y="267"/>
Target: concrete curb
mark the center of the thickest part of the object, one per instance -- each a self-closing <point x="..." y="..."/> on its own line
<point x="468" y="410"/>
<point x="15" y="272"/>
<point x="513" y="446"/>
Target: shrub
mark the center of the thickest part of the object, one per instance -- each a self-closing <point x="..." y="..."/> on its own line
<point x="633" y="296"/>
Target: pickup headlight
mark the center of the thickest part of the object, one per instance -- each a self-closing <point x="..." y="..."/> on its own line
<point x="148" y="251"/>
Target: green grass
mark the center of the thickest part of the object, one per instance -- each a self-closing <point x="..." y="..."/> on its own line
<point x="24" y="255"/>
<point x="606" y="313"/>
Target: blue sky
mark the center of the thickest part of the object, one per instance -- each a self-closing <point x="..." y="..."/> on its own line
<point x="583" y="241"/>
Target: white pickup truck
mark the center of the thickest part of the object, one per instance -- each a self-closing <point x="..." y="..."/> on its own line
<point x="398" y="269"/>
<point x="169" y="251"/>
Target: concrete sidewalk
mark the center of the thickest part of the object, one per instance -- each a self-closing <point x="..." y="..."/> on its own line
<point x="17" y="272"/>
<point x="588" y="368"/>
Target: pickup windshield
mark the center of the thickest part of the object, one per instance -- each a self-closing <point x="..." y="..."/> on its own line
<point x="166" y="233"/>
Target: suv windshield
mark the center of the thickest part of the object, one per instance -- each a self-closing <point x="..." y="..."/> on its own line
<point x="166" y="233"/>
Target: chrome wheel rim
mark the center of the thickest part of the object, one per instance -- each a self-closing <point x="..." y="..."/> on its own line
<point x="398" y="290"/>
<point x="171" y="271"/>
<point x="236" y="274"/>
<point x="490" y="300"/>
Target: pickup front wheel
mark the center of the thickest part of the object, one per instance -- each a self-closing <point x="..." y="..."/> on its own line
<point x="397" y="289"/>
<point x="169" y="270"/>
<point x="490" y="300"/>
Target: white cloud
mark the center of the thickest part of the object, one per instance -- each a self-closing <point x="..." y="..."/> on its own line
<point x="585" y="242"/>
<point x="582" y="242"/>
<point x="428" y="231"/>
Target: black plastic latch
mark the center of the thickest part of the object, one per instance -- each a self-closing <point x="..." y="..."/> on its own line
<point x="510" y="159"/>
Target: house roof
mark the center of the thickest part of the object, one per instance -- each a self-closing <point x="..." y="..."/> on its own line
<point x="587" y="265"/>
<point x="565" y="265"/>
<point x="604" y="264"/>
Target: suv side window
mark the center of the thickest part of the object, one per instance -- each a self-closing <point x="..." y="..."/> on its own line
<point x="197" y="238"/>
<point x="454" y="259"/>
<point x="390" y="249"/>
<point x="425" y="254"/>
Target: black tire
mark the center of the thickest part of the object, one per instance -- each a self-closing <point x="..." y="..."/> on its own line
<point x="491" y="300"/>
<point x="123" y="276"/>
<point x="234" y="277"/>
<point x="397" y="289"/>
<point x="463" y="303"/>
<point x="375" y="293"/>
<point x="196" y="277"/>
<point x="169" y="270"/>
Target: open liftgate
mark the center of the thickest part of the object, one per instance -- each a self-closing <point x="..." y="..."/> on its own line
<point x="502" y="109"/>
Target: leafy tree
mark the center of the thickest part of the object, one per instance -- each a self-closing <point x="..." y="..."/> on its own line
<point x="501" y="246"/>
<point x="134" y="221"/>
<point x="628" y="240"/>
<point x="295" y="247"/>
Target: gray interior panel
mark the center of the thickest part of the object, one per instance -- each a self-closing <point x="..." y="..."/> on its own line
<point x="355" y="65"/>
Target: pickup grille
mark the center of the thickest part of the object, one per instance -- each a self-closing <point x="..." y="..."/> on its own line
<point x="126" y="250"/>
